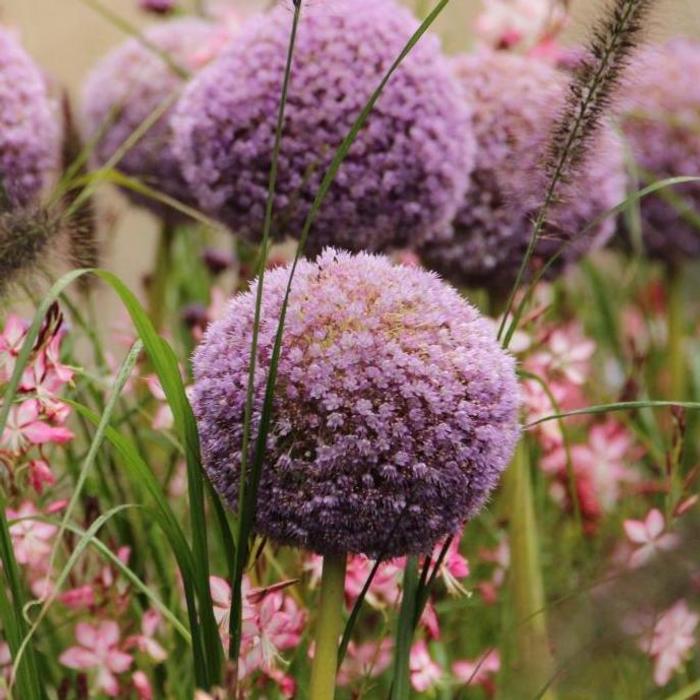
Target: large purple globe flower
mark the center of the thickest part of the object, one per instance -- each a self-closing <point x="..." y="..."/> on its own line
<point x="662" y="124"/>
<point x="405" y="175"/>
<point x="395" y="412"/>
<point x="131" y="83"/>
<point x="29" y="130"/>
<point x="516" y="100"/>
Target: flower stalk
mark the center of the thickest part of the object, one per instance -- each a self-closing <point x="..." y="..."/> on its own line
<point x="532" y="663"/>
<point x="328" y="628"/>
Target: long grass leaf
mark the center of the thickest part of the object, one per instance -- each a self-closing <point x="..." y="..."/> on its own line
<point x="612" y="407"/>
<point x="247" y="493"/>
<point x="166" y="367"/>
<point x="401" y="686"/>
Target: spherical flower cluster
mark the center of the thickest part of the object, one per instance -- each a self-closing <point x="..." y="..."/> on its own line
<point x="403" y="177"/>
<point x="29" y="132"/>
<point x="395" y="409"/>
<point x="134" y="81"/>
<point x="516" y="101"/>
<point x="662" y="126"/>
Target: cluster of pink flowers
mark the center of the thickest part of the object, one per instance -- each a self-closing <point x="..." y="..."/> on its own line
<point x="667" y="638"/>
<point x="560" y="356"/>
<point x="102" y="652"/>
<point x="37" y="418"/>
<point x="273" y="622"/>
<point x="370" y="659"/>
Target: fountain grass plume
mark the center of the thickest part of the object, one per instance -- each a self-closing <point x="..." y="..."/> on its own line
<point x="595" y="83"/>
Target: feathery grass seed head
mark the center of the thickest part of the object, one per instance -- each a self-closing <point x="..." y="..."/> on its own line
<point x="515" y="101"/>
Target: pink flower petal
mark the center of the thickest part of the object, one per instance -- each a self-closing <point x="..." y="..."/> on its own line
<point x="636" y="531"/>
<point x="79" y="658"/>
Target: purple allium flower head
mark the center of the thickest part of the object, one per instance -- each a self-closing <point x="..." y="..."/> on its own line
<point x="516" y="101"/>
<point x="132" y="82"/>
<point x="29" y="129"/>
<point x="662" y="125"/>
<point x="404" y="176"/>
<point x="395" y="411"/>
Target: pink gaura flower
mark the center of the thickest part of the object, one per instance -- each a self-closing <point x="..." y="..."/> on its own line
<point x="650" y="538"/>
<point x="25" y="427"/>
<point x="671" y="640"/>
<point x="146" y="642"/>
<point x="453" y="567"/>
<point x="479" y="671"/>
<point x="40" y="475"/>
<point x="425" y="673"/>
<point x="271" y="622"/>
<point x="367" y="660"/>
<point x="80" y="598"/>
<point x="163" y="418"/>
<point x="98" y="650"/>
<point x="31" y="538"/>
<point x="566" y="354"/>
<point x="599" y="462"/>
<point x="385" y="590"/>
<point x="142" y="685"/>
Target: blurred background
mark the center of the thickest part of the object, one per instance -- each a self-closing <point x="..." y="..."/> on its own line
<point x="68" y="36"/>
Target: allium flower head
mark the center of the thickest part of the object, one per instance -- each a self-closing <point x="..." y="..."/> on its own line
<point x="29" y="131"/>
<point x="395" y="407"/>
<point x="662" y="126"/>
<point x="516" y="101"/>
<point x="404" y="176"/>
<point x="131" y="83"/>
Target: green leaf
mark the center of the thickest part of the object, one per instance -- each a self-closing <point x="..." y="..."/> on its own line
<point x="401" y="687"/>
<point x="166" y="367"/>
<point x="611" y="407"/>
<point x="687" y="692"/>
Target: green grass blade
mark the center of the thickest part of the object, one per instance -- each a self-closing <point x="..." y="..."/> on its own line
<point x="612" y="407"/>
<point x="122" y="377"/>
<point x="401" y="686"/>
<point x="247" y="493"/>
<point x="140" y="472"/>
<point x="77" y="552"/>
<point x="686" y="693"/>
<point x="166" y="367"/>
<point x="12" y="601"/>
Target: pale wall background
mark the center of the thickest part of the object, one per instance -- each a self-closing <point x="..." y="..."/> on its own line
<point x="67" y="36"/>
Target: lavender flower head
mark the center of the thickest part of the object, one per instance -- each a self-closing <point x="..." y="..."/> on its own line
<point x="395" y="411"/>
<point x="662" y="126"/>
<point x="404" y="176"/>
<point x="516" y="101"/>
<point x="29" y="130"/>
<point x="133" y="81"/>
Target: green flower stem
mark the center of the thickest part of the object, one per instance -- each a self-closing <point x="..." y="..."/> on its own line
<point x="158" y="283"/>
<point x="329" y="626"/>
<point x="531" y="663"/>
<point x="676" y="335"/>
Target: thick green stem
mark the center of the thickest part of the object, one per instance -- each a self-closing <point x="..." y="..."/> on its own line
<point x="676" y="335"/>
<point x="158" y="282"/>
<point x="531" y="664"/>
<point x="329" y="626"/>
